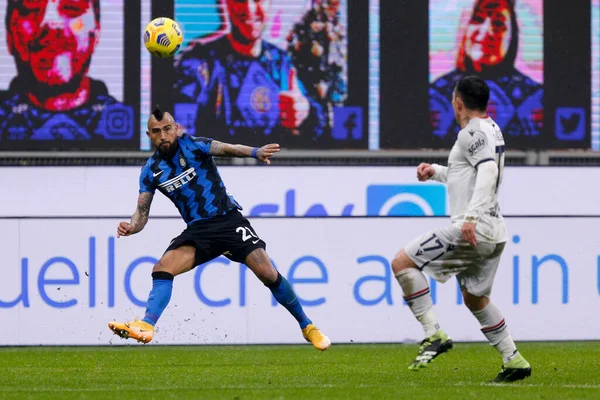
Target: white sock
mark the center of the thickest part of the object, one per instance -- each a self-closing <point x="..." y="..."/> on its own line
<point x="494" y="328"/>
<point x="416" y="293"/>
<point x="429" y="323"/>
<point x="507" y="348"/>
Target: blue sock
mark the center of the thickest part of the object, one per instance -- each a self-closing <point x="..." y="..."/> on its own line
<point x="162" y="286"/>
<point x="284" y="294"/>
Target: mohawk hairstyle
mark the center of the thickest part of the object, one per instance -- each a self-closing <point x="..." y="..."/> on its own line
<point x="158" y="113"/>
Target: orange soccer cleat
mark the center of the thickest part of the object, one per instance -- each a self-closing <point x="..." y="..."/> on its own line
<point x="138" y="330"/>
<point x="313" y="335"/>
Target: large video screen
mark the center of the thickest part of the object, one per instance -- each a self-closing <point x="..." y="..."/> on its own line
<point x="271" y="70"/>
<point x="62" y="75"/>
<point x="499" y="40"/>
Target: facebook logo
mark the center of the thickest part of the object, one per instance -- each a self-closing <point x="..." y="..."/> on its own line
<point x="347" y="123"/>
<point x="570" y="123"/>
<point x="406" y="200"/>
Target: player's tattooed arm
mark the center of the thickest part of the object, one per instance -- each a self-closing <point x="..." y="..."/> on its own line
<point x="221" y="149"/>
<point x="140" y="217"/>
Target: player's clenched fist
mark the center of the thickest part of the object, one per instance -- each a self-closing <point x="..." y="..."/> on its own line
<point x="265" y="152"/>
<point x="125" y="229"/>
<point x="425" y="172"/>
<point x="293" y="105"/>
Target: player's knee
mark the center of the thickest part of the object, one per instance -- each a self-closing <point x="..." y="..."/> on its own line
<point x="258" y="261"/>
<point x="401" y="262"/>
<point x="176" y="261"/>
<point x="475" y="303"/>
<point x="160" y="266"/>
<point x="269" y="277"/>
<point x="173" y="269"/>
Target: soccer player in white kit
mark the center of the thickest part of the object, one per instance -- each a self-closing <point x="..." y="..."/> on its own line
<point x="470" y="248"/>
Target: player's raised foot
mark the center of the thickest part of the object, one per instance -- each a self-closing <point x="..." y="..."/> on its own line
<point x="430" y="348"/>
<point x="516" y="369"/>
<point x="313" y="335"/>
<point x="138" y="330"/>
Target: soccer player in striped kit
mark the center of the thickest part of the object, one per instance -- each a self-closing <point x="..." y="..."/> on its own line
<point x="183" y="169"/>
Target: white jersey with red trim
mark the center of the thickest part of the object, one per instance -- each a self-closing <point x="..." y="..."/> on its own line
<point x="479" y="142"/>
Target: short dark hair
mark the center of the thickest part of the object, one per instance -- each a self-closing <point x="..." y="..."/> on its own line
<point x="474" y="92"/>
<point x="158" y="113"/>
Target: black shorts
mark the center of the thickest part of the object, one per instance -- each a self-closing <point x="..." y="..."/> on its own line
<point x="230" y="235"/>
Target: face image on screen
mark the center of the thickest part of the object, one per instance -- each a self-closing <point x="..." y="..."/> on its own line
<point x="256" y="70"/>
<point x="499" y="40"/>
<point x="62" y="85"/>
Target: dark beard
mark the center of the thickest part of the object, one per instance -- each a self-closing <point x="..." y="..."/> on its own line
<point x="167" y="154"/>
<point x="29" y="83"/>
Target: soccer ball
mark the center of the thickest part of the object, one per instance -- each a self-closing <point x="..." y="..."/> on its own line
<point x="163" y="37"/>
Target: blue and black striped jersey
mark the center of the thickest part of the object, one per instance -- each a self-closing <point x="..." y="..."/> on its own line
<point x="190" y="179"/>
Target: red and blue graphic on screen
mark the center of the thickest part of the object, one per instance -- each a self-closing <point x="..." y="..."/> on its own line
<point x="253" y="70"/>
<point x="499" y="40"/>
<point x="52" y="96"/>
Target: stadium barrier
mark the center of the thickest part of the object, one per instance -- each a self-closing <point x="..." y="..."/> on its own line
<point x="296" y="191"/>
<point x="64" y="279"/>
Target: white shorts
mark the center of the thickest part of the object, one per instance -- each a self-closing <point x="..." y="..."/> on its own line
<point x="442" y="254"/>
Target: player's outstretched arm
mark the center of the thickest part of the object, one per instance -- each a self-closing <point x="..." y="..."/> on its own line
<point x="139" y="218"/>
<point x="221" y="149"/>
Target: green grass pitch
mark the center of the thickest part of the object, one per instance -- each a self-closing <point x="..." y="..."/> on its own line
<point x="561" y="370"/>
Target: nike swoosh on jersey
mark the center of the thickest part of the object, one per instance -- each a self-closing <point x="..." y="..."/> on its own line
<point x="157" y="173"/>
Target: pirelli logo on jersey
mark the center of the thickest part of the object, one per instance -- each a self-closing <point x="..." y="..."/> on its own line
<point x="179" y="181"/>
